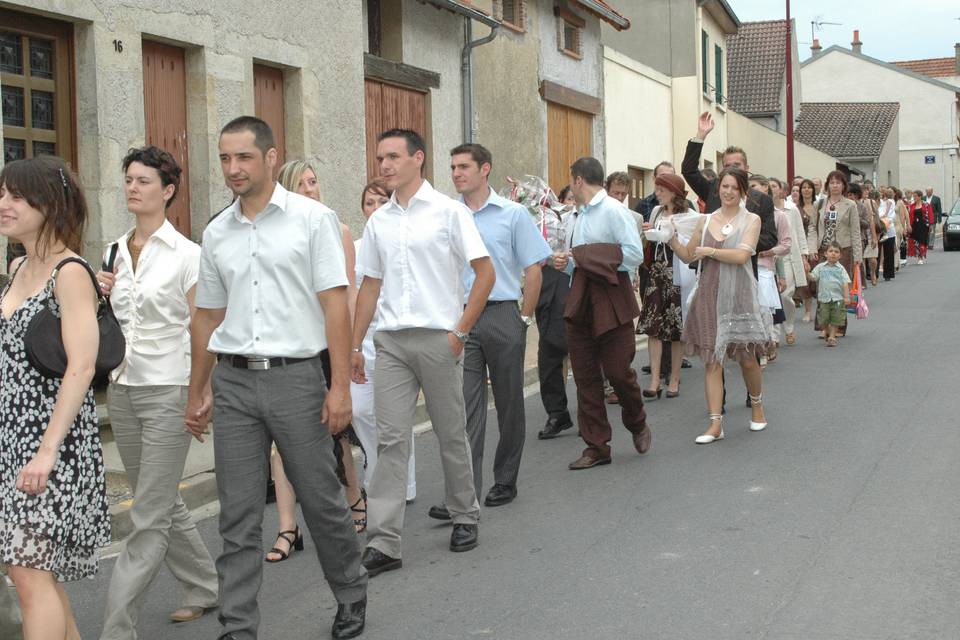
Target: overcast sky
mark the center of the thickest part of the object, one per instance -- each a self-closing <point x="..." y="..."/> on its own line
<point x="889" y="29"/>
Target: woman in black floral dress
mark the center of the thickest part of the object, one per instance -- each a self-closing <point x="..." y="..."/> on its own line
<point x="53" y="507"/>
<point x="661" y="316"/>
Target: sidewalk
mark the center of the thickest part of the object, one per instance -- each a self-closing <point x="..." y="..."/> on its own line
<point x="199" y="484"/>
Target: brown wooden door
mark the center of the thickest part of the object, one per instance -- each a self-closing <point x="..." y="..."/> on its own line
<point x="390" y="107"/>
<point x="165" y="111"/>
<point x="268" y="105"/>
<point x="569" y="137"/>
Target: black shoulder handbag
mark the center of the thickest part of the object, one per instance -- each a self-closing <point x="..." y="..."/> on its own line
<point x="43" y="341"/>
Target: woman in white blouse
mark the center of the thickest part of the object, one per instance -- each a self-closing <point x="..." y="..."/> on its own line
<point x="151" y="287"/>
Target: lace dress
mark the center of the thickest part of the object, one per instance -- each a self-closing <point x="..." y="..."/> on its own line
<point x="61" y="529"/>
<point x="700" y="330"/>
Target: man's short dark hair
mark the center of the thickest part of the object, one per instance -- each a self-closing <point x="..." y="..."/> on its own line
<point x="855" y="189"/>
<point x="262" y="133"/>
<point x="480" y="154"/>
<point x="164" y="163"/>
<point x="665" y="163"/>
<point x="617" y="177"/>
<point x="414" y="140"/>
<point x="589" y="169"/>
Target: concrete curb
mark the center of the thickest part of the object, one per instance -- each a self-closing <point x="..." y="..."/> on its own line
<point x="201" y="489"/>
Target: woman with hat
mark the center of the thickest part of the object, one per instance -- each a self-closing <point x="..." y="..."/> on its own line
<point x="668" y="281"/>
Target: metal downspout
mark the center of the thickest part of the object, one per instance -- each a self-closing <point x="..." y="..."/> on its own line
<point x="466" y="73"/>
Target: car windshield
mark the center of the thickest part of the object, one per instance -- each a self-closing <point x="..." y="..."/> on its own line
<point x="956" y="209"/>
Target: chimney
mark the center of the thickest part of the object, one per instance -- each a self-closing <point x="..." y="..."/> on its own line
<point x="815" y="49"/>
<point x="956" y="48"/>
<point x="856" y="45"/>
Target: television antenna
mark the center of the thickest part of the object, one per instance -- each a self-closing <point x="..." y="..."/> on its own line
<point x="818" y="23"/>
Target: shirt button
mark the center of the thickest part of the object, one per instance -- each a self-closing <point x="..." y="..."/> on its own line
<point x="254" y="254"/>
<point x="256" y="310"/>
<point x="255" y="282"/>
<point x="257" y="338"/>
<point x="254" y="227"/>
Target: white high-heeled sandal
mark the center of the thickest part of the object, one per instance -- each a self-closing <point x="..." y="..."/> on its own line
<point x="707" y="438"/>
<point x="757" y="426"/>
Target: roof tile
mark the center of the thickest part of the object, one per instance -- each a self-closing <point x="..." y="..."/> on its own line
<point x="756" y="64"/>
<point x="933" y="67"/>
<point x="846" y="129"/>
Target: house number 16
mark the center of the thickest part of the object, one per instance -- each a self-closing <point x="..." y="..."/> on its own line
<point x="118" y="46"/>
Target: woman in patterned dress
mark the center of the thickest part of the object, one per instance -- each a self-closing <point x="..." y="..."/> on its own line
<point x="661" y="317"/>
<point x="53" y="504"/>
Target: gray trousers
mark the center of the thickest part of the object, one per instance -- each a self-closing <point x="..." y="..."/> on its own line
<point x="497" y="342"/>
<point x="251" y="409"/>
<point x="409" y="360"/>
<point x="147" y="423"/>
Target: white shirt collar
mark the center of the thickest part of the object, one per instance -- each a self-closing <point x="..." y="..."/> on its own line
<point x="278" y="199"/>
<point x="167" y="233"/>
<point x="425" y="193"/>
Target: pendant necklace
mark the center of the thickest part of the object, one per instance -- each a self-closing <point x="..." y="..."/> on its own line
<point x="726" y="229"/>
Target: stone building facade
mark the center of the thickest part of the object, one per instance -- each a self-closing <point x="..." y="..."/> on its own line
<point x="117" y="73"/>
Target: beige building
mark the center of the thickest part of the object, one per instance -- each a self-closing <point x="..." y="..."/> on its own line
<point x="929" y="120"/>
<point x="89" y="81"/>
<point x="671" y="67"/>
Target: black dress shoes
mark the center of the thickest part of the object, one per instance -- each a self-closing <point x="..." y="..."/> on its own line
<point x="645" y="369"/>
<point x="554" y="426"/>
<point x="685" y="364"/>
<point x="350" y="619"/>
<point x="464" y="537"/>
<point x="376" y="562"/>
<point x="500" y="494"/>
<point x="439" y="512"/>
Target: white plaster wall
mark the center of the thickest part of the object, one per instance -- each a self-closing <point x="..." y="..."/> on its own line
<point x="928" y="113"/>
<point x="433" y="40"/>
<point x="637" y="114"/>
<point x="767" y="150"/>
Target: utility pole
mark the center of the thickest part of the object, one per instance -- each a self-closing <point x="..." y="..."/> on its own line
<point x="789" y="45"/>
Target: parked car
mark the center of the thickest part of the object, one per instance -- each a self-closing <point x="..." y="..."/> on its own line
<point x="951" y="228"/>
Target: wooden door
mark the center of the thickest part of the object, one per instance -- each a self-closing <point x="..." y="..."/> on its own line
<point x="569" y="137"/>
<point x="391" y="107"/>
<point x="268" y="105"/>
<point x="165" y="111"/>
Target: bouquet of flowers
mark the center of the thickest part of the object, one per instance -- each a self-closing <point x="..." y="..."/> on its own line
<point x="548" y="212"/>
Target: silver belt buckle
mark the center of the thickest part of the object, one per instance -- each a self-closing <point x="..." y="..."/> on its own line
<point x="258" y="364"/>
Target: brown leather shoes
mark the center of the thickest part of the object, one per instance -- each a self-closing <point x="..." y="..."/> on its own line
<point x="642" y="440"/>
<point x="187" y="614"/>
<point x="588" y="461"/>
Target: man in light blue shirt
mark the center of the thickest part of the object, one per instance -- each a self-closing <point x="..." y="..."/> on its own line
<point x="600" y="311"/>
<point x="497" y="341"/>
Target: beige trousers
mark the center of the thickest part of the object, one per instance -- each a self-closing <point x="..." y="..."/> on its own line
<point x="409" y="360"/>
<point x="147" y="423"/>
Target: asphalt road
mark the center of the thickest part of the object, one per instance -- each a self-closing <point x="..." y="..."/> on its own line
<point x="840" y="521"/>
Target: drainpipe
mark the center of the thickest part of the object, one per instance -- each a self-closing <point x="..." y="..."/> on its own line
<point x="466" y="73"/>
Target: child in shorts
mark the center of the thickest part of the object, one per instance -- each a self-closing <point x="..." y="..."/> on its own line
<point x="833" y="292"/>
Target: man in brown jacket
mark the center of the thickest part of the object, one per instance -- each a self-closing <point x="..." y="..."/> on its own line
<point x="599" y="313"/>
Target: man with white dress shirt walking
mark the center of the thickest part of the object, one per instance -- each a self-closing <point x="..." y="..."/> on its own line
<point x="414" y="249"/>
<point x="498" y="341"/>
<point x="271" y="295"/>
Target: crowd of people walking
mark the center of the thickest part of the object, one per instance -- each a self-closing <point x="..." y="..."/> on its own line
<point x="301" y="345"/>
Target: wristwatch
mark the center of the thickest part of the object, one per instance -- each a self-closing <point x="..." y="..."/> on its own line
<point x="461" y="336"/>
<point x="357" y="349"/>
<point x="527" y="320"/>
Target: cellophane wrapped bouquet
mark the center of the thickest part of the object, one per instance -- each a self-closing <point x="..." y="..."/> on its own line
<point x="549" y="214"/>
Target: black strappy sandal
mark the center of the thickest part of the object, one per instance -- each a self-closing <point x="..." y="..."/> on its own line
<point x="295" y="545"/>
<point x="360" y="523"/>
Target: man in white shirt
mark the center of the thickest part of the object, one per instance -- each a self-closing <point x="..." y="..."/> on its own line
<point x="414" y="250"/>
<point x="271" y="295"/>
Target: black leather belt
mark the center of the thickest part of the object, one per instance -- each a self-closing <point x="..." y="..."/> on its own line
<point x="490" y="303"/>
<point x="259" y="364"/>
